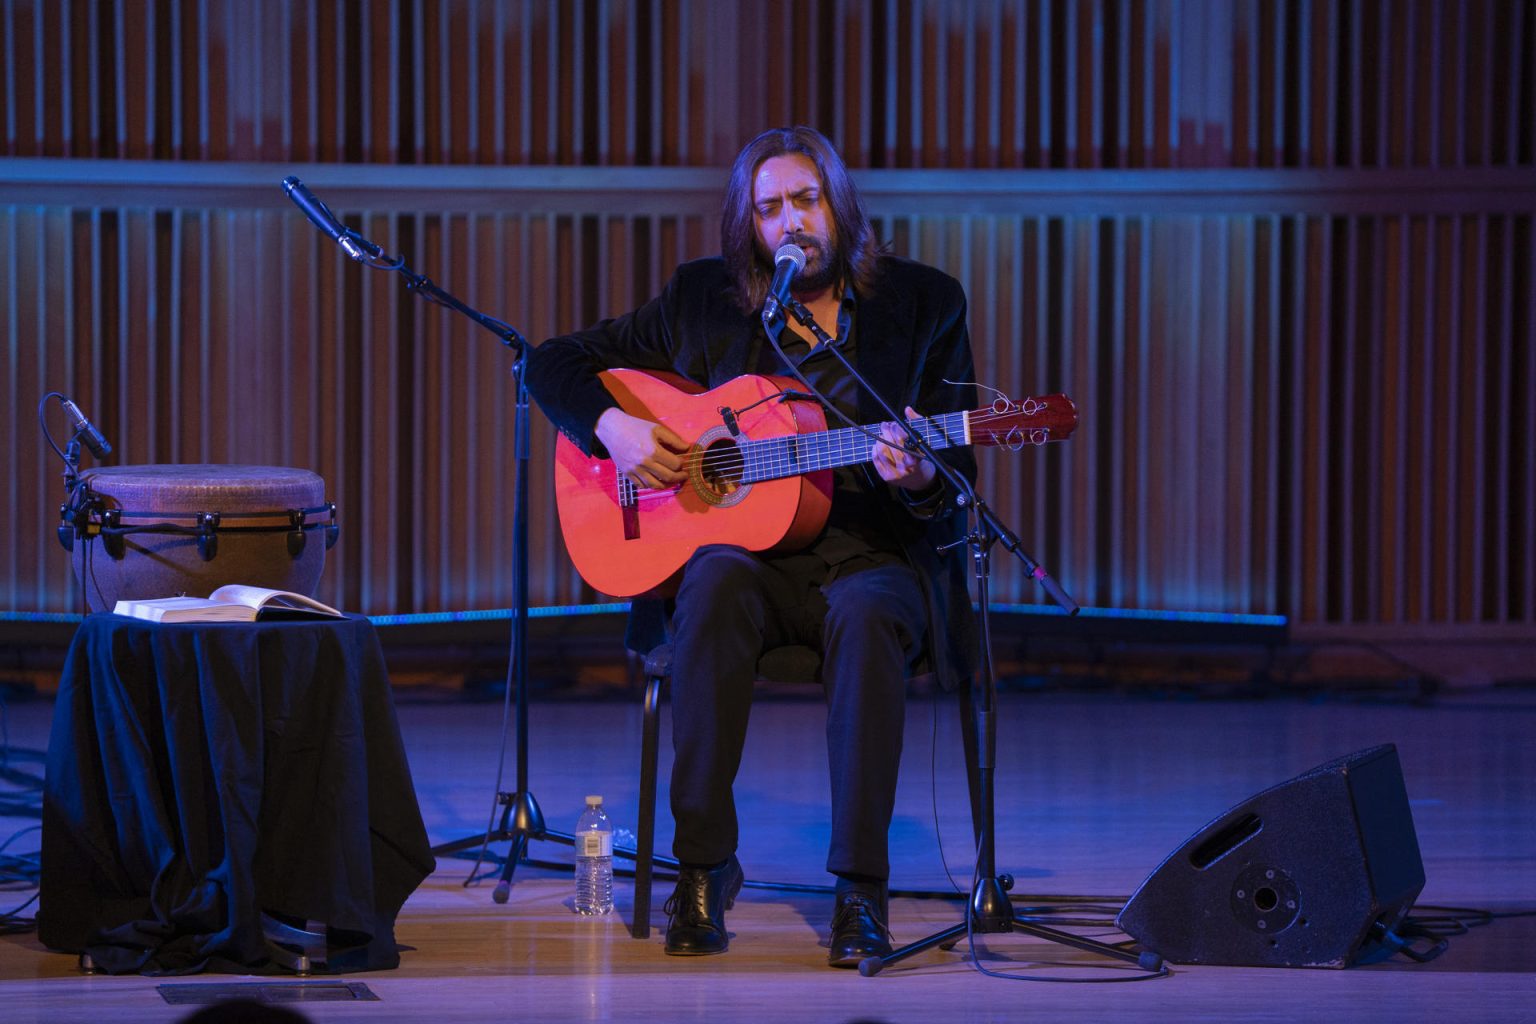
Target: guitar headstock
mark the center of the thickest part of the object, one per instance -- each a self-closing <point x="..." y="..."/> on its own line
<point x="1013" y="425"/>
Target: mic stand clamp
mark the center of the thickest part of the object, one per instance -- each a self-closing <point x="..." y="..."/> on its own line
<point x="73" y="514"/>
<point x="989" y="910"/>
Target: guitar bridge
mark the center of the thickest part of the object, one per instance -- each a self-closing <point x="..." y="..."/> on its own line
<point x="629" y="508"/>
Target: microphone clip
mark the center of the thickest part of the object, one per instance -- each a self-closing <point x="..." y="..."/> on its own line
<point x="358" y="247"/>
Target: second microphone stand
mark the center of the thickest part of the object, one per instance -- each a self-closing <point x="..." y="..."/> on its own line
<point x="989" y="909"/>
<point x="521" y="819"/>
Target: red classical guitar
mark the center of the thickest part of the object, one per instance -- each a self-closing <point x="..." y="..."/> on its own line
<point x="764" y="485"/>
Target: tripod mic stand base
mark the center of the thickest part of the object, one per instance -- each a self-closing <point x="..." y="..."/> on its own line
<point x="521" y="822"/>
<point x="990" y="912"/>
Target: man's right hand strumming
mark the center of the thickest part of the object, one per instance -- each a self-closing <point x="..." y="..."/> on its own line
<point x="650" y="454"/>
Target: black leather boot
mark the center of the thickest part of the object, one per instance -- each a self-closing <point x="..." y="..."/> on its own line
<point x="859" y="924"/>
<point x="696" y="910"/>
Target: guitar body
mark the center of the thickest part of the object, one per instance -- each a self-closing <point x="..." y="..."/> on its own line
<point x="627" y="541"/>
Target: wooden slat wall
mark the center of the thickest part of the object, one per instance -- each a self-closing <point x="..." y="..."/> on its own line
<point x="895" y="83"/>
<point x="1318" y="403"/>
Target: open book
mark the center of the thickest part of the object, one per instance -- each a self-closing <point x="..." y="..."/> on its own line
<point x="231" y="603"/>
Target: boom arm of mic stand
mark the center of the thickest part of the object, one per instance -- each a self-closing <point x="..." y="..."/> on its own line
<point x="965" y="491"/>
<point x="429" y="290"/>
<point x="1011" y="543"/>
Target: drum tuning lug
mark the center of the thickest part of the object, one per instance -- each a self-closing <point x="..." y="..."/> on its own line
<point x="111" y="539"/>
<point x="207" y="535"/>
<point x="332" y="528"/>
<point x="296" y="535"/>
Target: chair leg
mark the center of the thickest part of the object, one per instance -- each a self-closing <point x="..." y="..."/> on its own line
<point x="645" y="838"/>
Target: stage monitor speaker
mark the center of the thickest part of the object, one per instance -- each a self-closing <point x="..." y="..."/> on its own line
<point x="1314" y="872"/>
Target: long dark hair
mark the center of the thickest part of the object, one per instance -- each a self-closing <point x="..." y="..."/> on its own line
<point x="856" y="245"/>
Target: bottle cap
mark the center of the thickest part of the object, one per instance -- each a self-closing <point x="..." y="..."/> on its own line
<point x="594" y="801"/>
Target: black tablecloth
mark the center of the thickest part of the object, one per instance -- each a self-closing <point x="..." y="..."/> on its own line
<point x="200" y="775"/>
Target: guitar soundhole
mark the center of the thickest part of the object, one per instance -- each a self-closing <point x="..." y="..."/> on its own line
<point x="716" y="473"/>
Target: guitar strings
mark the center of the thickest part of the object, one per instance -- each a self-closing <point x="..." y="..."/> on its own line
<point x="810" y="449"/>
<point x="771" y="454"/>
<point x="846" y="440"/>
<point x="768" y="453"/>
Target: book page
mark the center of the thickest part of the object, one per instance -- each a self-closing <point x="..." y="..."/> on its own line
<point x="261" y="597"/>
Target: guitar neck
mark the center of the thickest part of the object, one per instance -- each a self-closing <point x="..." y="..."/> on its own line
<point x="793" y="454"/>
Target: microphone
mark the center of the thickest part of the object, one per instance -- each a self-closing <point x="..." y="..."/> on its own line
<point x="787" y="262"/>
<point x="321" y="217"/>
<point x="86" y="431"/>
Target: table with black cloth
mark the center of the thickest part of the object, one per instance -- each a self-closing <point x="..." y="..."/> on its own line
<point x="206" y="780"/>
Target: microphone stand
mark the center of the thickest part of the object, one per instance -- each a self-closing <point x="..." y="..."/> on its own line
<point x="521" y="819"/>
<point x="989" y="909"/>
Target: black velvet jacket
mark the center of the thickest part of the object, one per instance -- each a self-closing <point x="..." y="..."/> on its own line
<point x="912" y="337"/>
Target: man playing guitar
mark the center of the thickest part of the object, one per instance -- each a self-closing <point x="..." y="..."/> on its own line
<point x="870" y="589"/>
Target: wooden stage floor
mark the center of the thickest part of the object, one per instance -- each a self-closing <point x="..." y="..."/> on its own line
<point x="1094" y="791"/>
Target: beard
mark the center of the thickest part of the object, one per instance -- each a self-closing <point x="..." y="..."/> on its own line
<point x="822" y="258"/>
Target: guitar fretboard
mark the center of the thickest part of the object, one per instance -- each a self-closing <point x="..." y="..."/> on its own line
<point x="793" y="454"/>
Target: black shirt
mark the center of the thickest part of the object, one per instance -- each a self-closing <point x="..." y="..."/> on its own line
<point x="857" y="534"/>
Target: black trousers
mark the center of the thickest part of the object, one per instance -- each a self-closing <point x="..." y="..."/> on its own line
<point x="869" y="625"/>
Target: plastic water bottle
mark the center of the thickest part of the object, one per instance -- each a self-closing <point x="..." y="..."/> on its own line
<point x="594" y="860"/>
